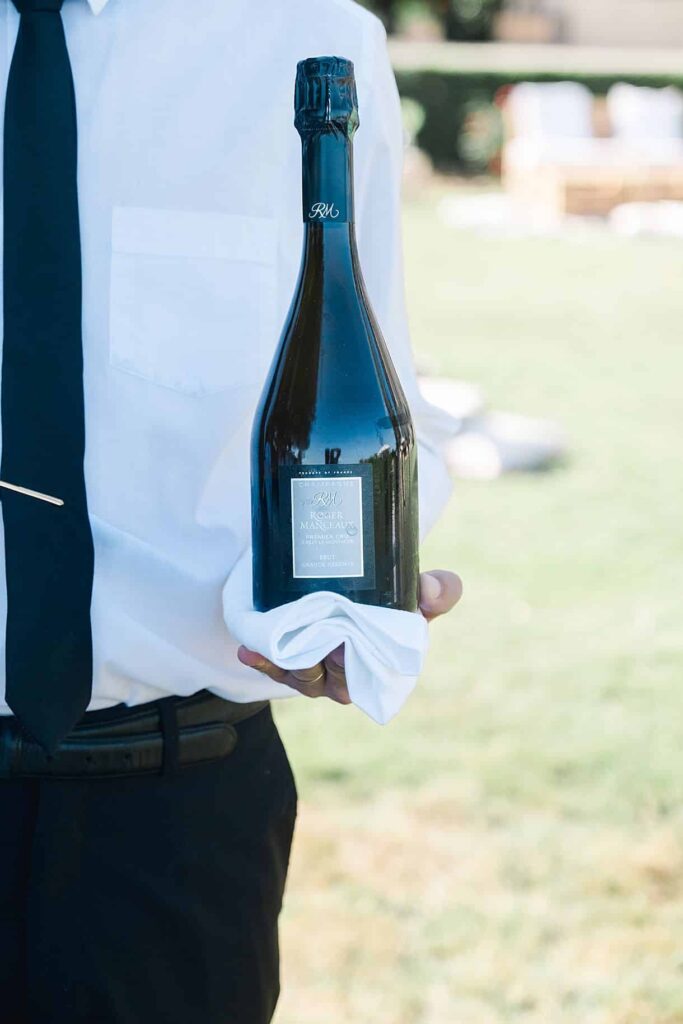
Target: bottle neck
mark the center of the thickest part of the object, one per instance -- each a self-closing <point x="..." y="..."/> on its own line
<point x="327" y="178"/>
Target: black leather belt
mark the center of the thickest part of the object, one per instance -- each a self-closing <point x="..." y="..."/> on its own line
<point x="131" y="741"/>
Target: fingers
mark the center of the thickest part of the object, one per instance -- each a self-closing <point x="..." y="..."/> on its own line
<point x="252" y="659"/>
<point x="324" y="679"/>
<point x="336" y="687"/>
<point x="440" y="591"/>
<point x="309" y="681"/>
<point x="334" y="662"/>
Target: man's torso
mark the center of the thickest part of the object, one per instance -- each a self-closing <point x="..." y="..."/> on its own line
<point x="189" y="192"/>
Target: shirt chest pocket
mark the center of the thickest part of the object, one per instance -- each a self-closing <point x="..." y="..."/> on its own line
<point x="192" y="297"/>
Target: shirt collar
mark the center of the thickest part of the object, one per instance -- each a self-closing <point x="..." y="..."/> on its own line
<point x="97" y="5"/>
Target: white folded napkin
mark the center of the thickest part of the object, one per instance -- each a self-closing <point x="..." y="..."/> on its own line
<point x="384" y="648"/>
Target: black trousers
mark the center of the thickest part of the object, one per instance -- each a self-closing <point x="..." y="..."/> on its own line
<point x="151" y="898"/>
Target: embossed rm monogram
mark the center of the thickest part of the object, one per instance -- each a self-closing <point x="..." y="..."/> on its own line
<point x="323" y="211"/>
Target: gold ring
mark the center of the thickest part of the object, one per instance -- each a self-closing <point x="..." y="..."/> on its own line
<point x="316" y="680"/>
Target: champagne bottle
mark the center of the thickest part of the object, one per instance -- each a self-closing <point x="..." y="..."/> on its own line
<point x="334" y="459"/>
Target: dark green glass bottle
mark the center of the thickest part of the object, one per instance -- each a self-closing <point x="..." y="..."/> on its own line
<point x="334" y="459"/>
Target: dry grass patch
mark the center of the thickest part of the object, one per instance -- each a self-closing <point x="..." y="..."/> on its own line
<point x="397" y="915"/>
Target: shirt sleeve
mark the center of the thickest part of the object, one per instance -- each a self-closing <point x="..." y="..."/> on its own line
<point x="378" y="153"/>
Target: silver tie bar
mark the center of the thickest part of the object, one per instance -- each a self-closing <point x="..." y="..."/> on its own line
<point x="31" y="494"/>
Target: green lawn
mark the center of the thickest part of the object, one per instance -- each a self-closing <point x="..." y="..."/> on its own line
<point x="511" y="847"/>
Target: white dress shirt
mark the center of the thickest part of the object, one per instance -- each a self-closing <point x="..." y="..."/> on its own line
<point x="189" y="191"/>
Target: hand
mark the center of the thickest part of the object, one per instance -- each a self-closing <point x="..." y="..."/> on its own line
<point x="439" y="592"/>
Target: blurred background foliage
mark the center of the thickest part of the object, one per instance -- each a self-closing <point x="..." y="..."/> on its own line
<point x="461" y="125"/>
<point x="464" y="20"/>
<point x="462" y="128"/>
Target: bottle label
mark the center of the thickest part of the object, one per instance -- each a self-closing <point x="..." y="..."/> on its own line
<point x="331" y="522"/>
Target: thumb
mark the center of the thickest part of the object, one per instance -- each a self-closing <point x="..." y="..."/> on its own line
<point x="440" y="591"/>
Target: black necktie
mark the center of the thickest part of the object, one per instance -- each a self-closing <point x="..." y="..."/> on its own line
<point x="48" y="547"/>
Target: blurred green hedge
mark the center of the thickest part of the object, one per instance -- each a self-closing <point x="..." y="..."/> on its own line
<point x="463" y="20"/>
<point x="462" y="128"/>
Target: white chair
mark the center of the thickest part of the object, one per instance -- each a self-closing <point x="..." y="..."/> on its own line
<point x="550" y="110"/>
<point x="638" y="112"/>
<point x="648" y="121"/>
<point x="554" y="163"/>
<point x="550" y="130"/>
